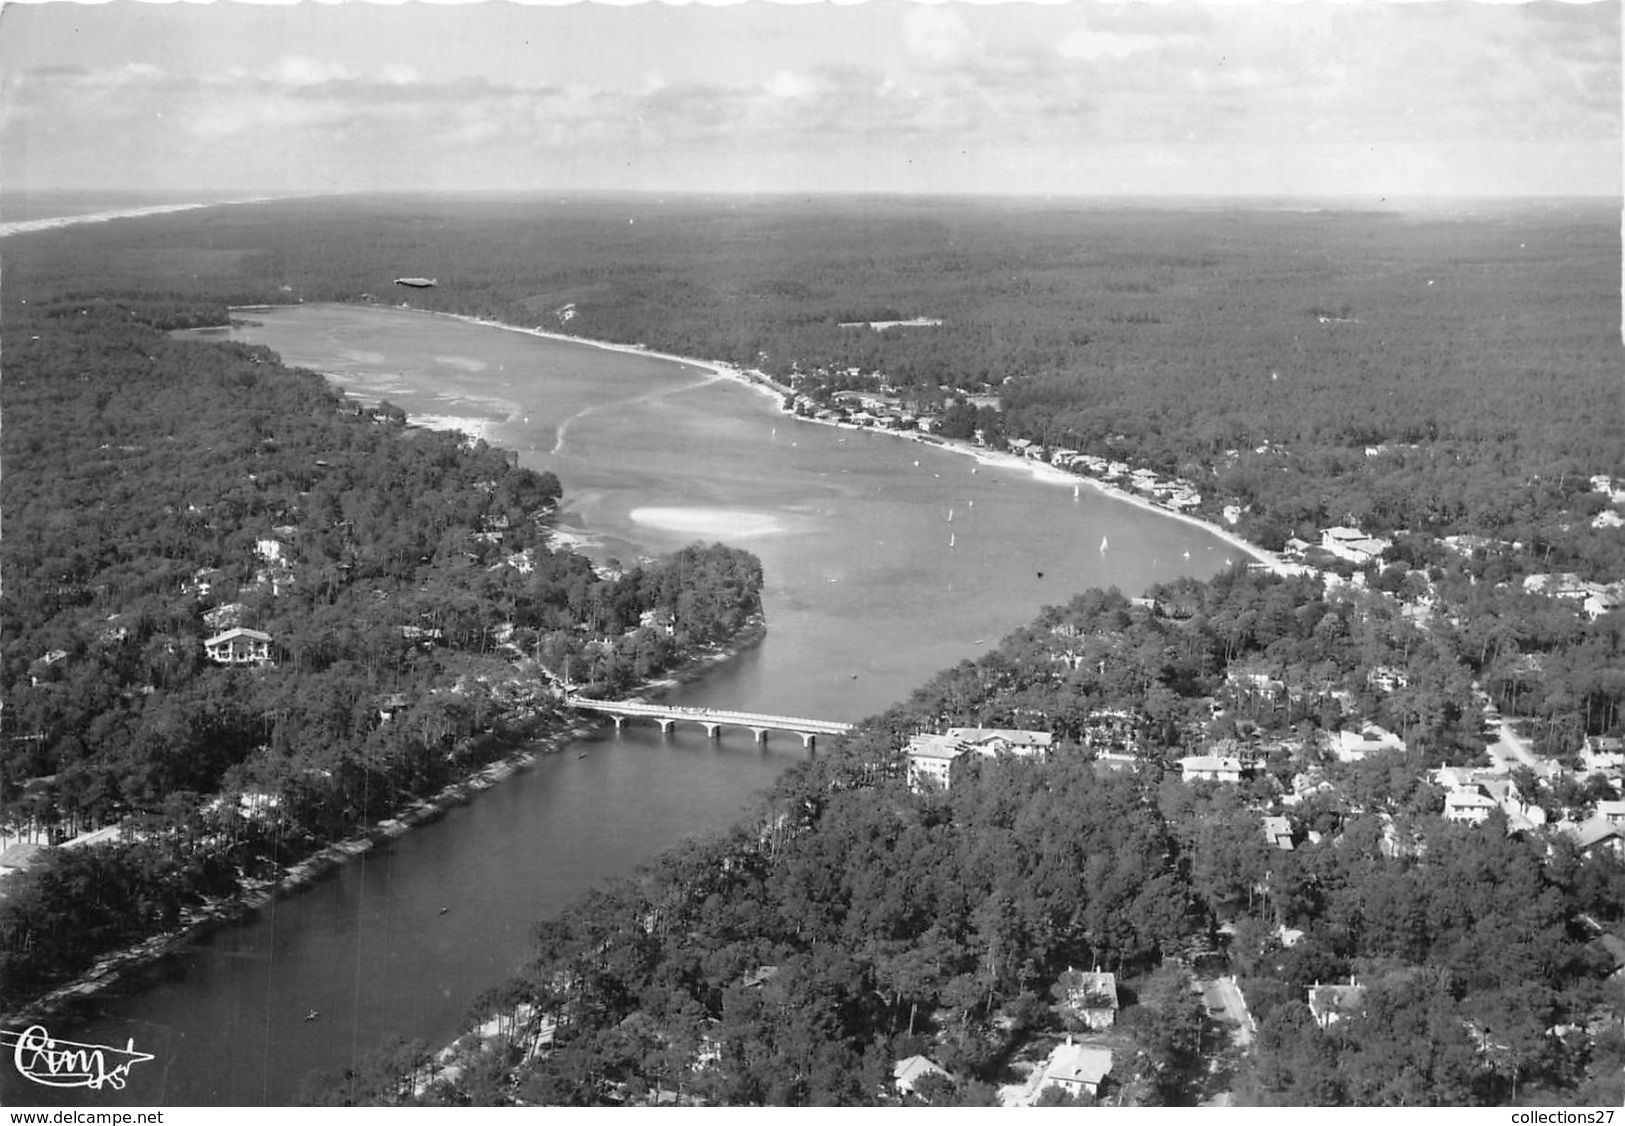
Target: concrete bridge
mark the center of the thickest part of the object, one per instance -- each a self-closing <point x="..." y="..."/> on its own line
<point x="710" y="718"/>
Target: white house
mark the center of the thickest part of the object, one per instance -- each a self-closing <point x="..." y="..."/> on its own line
<point x="1352" y="746"/>
<point x="1353" y="544"/>
<point x="906" y="1073"/>
<point x="1076" y="1069"/>
<point x="990" y="741"/>
<point x="239" y="646"/>
<point x="1331" y="1003"/>
<point x="1210" y="768"/>
<point x="1467" y="807"/>
<point x="932" y="760"/>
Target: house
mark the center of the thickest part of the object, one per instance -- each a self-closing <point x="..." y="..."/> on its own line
<point x="238" y="646"/>
<point x="1109" y="728"/>
<point x="990" y="741"/>
<point x="758" y="977"/>
<point x="1352" y="746"/>
<point x="19" y="856"/>
<point x="1331" y="1003"/>
<point x="906" y="1073"/>
<point x="40" y="669"/>
<point x="1353" y="545"/>
<point x="1612" y="812"/>
<point x="1467" y="807"/>
<point x="1076" y="1069"/>
<point x="1564" y="584"/>
<point x="1386" y="678"/>
<point x="1210" y="768"/>
<point x="1116" y="760"/>
<point x="1278" y="832"/>
<point x="1596" y="836"/>
<point x="1090" y="998"/>
<point x="1602" y="752"/>
<point x="932" y="761"/>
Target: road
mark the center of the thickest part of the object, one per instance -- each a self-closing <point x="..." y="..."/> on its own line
<point x="1509" y="748"/>
<point x="1223" y="999"/>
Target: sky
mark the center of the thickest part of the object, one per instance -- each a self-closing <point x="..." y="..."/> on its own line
<point x="1080" y="97"/>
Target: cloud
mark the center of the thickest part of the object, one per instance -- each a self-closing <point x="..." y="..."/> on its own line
<point x="1087" y="43"/>
<point x="298" y="71"/>
<point x="936" y="34"/>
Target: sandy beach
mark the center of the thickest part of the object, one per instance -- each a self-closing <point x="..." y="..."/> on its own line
<point x="58" y="221"/>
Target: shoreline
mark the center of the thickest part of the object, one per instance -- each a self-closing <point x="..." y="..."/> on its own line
<point x="57" y="222"/>
<point x="110" y="969"/>
<point x="1041" y="472"/>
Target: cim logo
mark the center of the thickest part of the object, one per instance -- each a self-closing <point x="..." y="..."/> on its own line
<point x="50" y="1062"/>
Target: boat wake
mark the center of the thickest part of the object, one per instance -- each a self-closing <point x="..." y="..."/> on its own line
<point x="562" y="432"/>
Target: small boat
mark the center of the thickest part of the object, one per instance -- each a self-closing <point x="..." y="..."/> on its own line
<point x="1040" y="574"/>
<point x="1077" y="491"/>
<point x="950" y="539"/>
<point x="1103" y="543"/>
<point x="312" y="1015"/>
<point x="443" y="910"/>
<point x="950" y="516"/>
<point x="1187" y="555"/>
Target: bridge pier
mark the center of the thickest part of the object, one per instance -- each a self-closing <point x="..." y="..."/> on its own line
<point x="619" y="719"/>
<point x="666" y="724"/>
<point x="761" y="735"/>
<point x="711" y="729"/>
<point x="807" y="739"/>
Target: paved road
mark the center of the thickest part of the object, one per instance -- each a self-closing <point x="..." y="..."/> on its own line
<point x="1509" y="748"/>
<point x="1223" y="998"/>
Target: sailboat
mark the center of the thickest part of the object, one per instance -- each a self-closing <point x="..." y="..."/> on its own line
<point x="950" y="539"/>
<point x="1187" y="555"/>
<point x="950" y="516"/>
<point x="1077" y="491"/>
<point x="1102" y="544"/>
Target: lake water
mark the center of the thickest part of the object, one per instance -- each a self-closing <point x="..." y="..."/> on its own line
<point x="886" y="560"/>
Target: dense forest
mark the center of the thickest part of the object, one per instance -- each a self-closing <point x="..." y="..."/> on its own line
<point x="162" y="492"/>
<point x="899" y="922"/>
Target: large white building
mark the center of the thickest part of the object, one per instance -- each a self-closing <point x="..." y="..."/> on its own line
<point x="934" y="759"/>
<point x="1353" y="544"/>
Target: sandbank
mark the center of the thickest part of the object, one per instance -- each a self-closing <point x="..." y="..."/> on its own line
<point x="708" y="521"/>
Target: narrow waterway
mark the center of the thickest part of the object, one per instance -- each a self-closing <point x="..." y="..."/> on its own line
<point x="886" y="560"/>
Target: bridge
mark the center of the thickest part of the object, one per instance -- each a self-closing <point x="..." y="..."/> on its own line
<point x="711" y="719"/>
